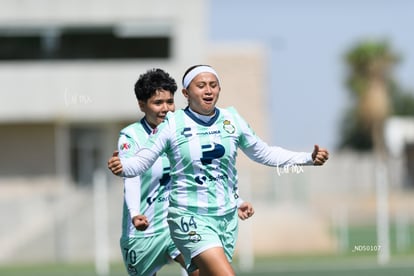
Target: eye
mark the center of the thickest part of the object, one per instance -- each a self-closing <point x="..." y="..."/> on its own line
<point x="201" y="85"/>
<point x="214" y="84"/>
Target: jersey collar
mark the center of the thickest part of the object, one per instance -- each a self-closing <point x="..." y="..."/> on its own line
<point x="146" y="126"/>
<point x="201" y="122"/>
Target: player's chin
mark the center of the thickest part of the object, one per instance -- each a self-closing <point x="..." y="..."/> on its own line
<point x="162" y="116"/>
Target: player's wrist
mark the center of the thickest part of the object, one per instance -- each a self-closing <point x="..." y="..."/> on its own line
<point x="133" y="214"/>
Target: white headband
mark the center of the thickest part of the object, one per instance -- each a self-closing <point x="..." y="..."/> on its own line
<point x="197" y="70"/>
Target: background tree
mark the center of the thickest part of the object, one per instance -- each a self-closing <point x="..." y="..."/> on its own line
<point x="375" y="95"/>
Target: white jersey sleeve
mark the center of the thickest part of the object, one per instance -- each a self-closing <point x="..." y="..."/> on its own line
<point x="128" y="146"/>
<point x="132" y="188"/>
<point x="137" y="165"/>
<point x="148" y="193"/>
<point x="145" y="156"/>
<point x="276" y="156"/>
<point x="260" y="152"/>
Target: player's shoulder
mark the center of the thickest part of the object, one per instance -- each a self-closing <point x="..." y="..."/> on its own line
<point x="132" y="129"/>
<point x="176" y="115"/>
<point x="178" y="112"/>
<point x="229" y="111"/>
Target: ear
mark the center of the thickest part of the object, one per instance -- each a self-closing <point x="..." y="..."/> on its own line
<point x="185" y="93"/>
<point x="141" y="105"/>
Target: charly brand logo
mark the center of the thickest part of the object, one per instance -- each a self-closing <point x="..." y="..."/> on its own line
<point x="76" y="99"/>
<point x="186" y="132"/>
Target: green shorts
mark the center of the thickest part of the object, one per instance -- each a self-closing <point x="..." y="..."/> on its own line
<point x="145" y="256"/>
<point x="193" y="233"/>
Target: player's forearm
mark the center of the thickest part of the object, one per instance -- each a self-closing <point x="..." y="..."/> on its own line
<point x="138" y="164"/>
<point x="132" y="194"/>
<point x="277" y="156"/>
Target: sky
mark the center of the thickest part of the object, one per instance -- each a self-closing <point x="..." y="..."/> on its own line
<point x="306" y="42"/>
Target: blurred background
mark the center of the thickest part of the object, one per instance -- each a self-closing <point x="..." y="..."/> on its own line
<point x="334" y="73"/>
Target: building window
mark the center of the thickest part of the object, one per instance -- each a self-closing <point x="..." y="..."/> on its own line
<point x="79" y="43"/>
<point x="85" y="153"/>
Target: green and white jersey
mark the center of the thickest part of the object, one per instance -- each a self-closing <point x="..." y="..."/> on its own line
<point x="148" y="193"/>
<point x="203" y="158"/>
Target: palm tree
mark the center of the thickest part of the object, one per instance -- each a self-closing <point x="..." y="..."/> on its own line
<point x="368" y="81"/>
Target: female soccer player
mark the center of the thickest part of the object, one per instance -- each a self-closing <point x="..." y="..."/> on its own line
<point x="201" y="143"/>
<point x="146" y="244"/>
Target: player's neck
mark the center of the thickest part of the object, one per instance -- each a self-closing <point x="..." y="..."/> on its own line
<point x="204" y="118"/>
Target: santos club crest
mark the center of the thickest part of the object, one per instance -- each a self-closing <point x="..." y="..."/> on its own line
<point x="228" y="127"/>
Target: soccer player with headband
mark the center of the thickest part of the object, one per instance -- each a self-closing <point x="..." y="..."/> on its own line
<point x="201" y="143"/>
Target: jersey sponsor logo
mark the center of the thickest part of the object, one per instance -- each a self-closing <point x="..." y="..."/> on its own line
<point x="201" y="179"/>
<point x="228" y="127"/>
<point x="165" y="179"/>
<point x="164" y="187"/>
<point x="125" y="146"/>
<point x="161" y="199"/>
<point x="211" y="132"/>
<point x="187" y="132"/>
<point x="151" y="200"/>
<point x="210" y="152"/>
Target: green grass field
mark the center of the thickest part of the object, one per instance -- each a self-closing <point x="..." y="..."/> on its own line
<point x="349" y="262"/>
<point x="309" y="266"/>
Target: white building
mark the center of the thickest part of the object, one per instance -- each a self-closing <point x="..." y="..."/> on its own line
<point x="67" y="72"/>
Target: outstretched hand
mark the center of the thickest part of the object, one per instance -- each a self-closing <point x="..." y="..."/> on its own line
<point x="319" y="155"/>
<point x="114" y="163"/>
<point x="245" y="210"/>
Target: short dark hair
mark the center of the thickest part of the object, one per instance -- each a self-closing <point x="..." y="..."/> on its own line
<point x="151" y="81"/>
